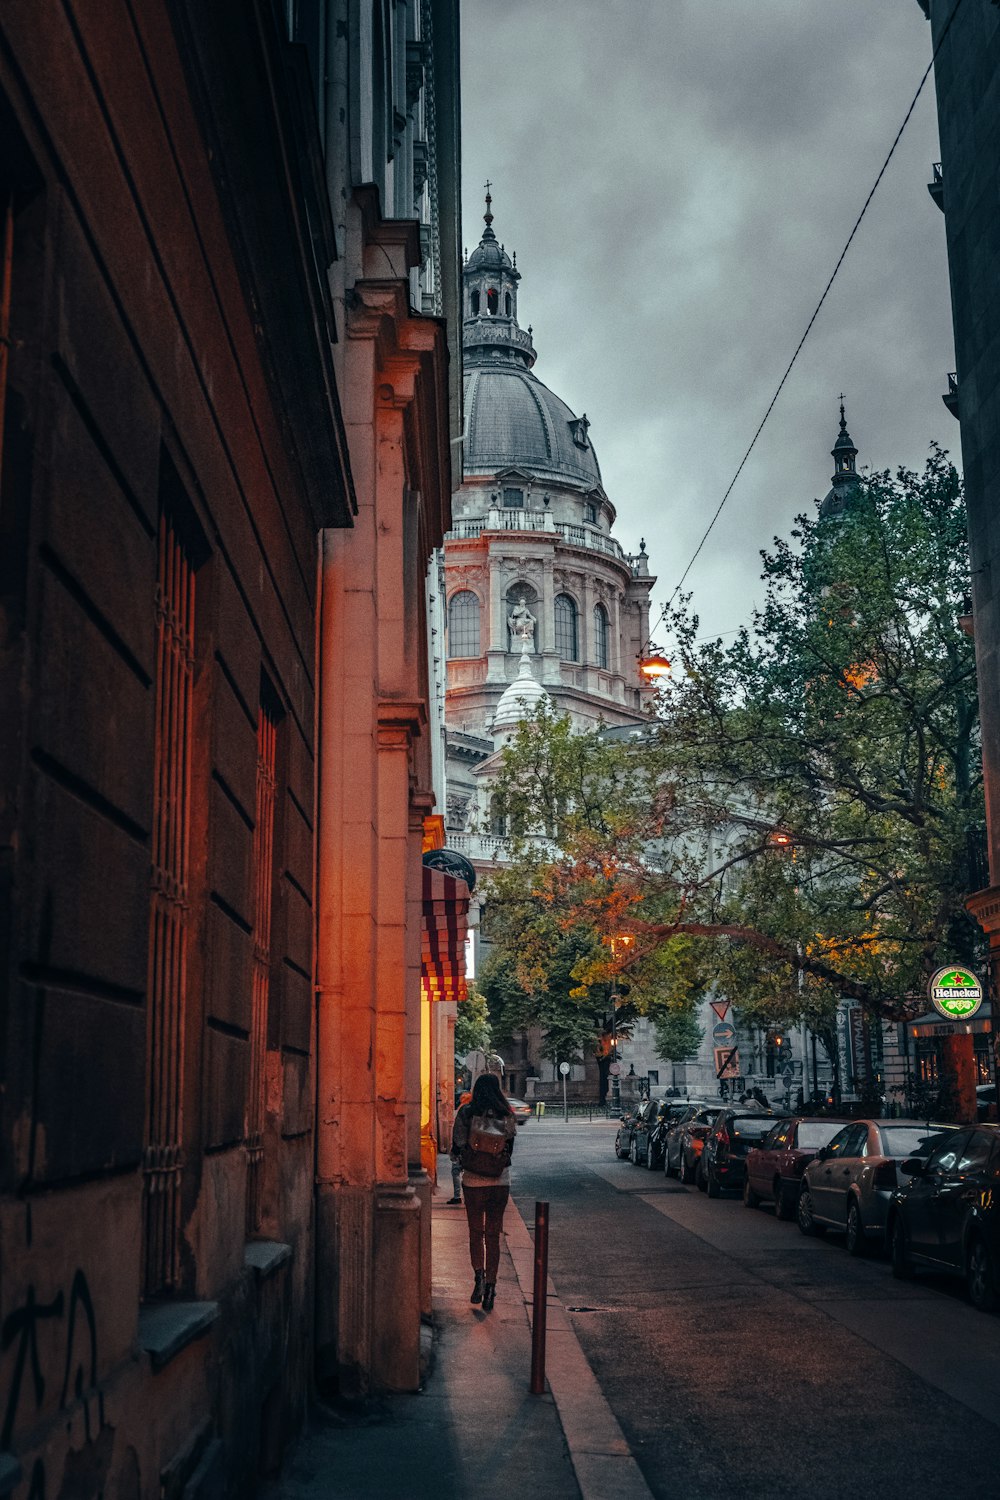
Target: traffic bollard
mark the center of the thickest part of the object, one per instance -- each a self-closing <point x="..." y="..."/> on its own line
<point x="539" y="1299"/>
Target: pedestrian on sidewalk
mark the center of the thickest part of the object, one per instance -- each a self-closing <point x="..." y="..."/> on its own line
<point x="456" y="1165"/>
<point x="483" y="1141"/>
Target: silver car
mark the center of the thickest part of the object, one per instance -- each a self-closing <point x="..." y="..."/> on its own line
<point x="848" y="1184"/>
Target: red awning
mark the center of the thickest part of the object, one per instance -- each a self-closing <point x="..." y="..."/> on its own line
<point x="445" y="924"/>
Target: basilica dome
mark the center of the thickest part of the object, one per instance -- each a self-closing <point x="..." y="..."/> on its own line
<point x="512" y="420"/>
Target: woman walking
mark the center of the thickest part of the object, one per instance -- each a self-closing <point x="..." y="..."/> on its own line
<point x="483" y="1141"/>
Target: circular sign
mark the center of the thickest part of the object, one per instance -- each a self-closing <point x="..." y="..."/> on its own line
<point x="452" y="863"/>
<point x="564" y="1069"/>
<point x="724" y="1034"/>
<point x="615" y="1069"/>
<point x="955" y="993"/>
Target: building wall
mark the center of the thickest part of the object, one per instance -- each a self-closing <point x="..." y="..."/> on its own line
<point x="187" y="412"/>
<point x="967" y="78"/>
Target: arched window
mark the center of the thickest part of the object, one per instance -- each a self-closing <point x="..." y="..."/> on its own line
<point x="601" y="636"/>
<point x="463" y="624"/>
<point x="507" y="304"/>
<point x="498" y="819"/>
<point x="492" y="301"/>
<point x="566" y="633"/>
<point x="474" y="300"/>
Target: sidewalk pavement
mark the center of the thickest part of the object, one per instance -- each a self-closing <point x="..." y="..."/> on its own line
<point x="474" y="1428"/>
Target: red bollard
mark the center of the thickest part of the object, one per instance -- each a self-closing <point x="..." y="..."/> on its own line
<point x="538" y="1305"/>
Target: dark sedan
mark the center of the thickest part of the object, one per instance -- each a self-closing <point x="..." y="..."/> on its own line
<point x="623" y="1135"/>
<point x="645" y="1148"/>
<point x="947" y="1216"/>
<point x="684" y="1144"/>
<point x="724" y="1159"/>
<point x="775" y="1167"/>
<point x="849" y="1183"/>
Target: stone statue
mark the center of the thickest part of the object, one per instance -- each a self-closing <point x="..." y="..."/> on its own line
<point x="522" y="625"/>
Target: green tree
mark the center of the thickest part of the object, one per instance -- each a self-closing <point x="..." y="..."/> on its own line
<point x="803" y="818"/>
<point x="678" y="1035"/>
<point x="472" y="1025"/>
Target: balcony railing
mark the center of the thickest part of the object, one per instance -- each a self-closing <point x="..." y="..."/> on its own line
<point x="574" y="535"/>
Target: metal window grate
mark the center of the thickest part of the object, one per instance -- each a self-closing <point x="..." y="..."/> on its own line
<point x="263" y="874"/>
<point x="163" y="1156"/>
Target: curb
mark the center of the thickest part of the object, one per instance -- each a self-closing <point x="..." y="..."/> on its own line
<point x="601" y="1458"/>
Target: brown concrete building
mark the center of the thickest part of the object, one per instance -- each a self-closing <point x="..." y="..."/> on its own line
<point x="966" y="41"/>
<point x="229" y="243"/>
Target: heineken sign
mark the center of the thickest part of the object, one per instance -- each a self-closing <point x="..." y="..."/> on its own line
<point x="956" y="993"/>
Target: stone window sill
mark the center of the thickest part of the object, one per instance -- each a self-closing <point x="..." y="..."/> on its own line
<point x="264" y="1257"/>
<point x="168" y="1327"/>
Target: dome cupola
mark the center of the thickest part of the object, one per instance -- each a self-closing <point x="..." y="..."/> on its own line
<point x="490" y="331"/>
<point x="846" y="479"/>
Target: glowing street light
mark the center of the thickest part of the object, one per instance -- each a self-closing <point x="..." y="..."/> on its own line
<point x="654" y="665"/>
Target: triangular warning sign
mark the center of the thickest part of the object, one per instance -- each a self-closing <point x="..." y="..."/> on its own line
<point x="720" y="1007"/>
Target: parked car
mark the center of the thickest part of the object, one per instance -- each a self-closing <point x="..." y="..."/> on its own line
<point x="521" y="1109"/>
<point x="693" y="1134"/>
<point x="673" y="1134"/>
<point x="849" y="1183"/>
<point x="623" y="1135"/>
<point x="946" y="1216"/>
<point x="986" y="1098"/>
<point x="641" y="1145"/>
<point x="774" y="1168"/>
<point x="651" y="1134"/>
<point x="724" y="1159"/>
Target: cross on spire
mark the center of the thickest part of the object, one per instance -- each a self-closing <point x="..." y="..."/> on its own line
<point x="488" y="215"/>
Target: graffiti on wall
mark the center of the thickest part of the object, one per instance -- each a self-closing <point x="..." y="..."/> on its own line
<point x="86" y="1468"/>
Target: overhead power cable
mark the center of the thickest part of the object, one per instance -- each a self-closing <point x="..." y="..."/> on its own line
<point x="809" y="326"/>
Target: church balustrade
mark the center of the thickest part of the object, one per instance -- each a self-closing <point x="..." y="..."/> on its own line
<point x="469" y="528"/>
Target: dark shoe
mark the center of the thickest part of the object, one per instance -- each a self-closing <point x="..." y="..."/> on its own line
<point x="453" y="1200"/>
<point x="479" y="1288"/>
<point x="489" y="1294"/>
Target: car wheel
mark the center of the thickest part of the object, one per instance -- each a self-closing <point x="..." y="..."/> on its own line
<point x="633" y="1152"/>
<point x="899" y="1252"/>
<point x="700" y="1181"/>
<point x="650" y="1156"/>
<point x="804" y="1213"/>
<point x="979" y="1277"/>
<point x="618" y="1147"/>
<point x="854" y="1235"/>
<point x="684" y="1171"/>
<point x="750" y="1198"/>
<point x="784" y="1202"/>
<point x="712" y="1185"/>
<point x="668" y="1170"/>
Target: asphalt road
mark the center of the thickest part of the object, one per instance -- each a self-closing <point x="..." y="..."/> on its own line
<point x="743" y="1359"/>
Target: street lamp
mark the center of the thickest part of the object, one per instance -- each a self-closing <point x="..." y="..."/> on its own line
<point x="654" y="664"/>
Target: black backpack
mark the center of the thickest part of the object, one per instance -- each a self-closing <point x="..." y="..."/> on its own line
<point x="487" y="1151"/>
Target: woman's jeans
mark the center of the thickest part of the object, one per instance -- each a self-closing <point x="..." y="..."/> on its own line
<point x="484" y="1209"/>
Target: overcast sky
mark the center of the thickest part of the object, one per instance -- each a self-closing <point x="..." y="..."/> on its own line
<point x="678" y="178"/>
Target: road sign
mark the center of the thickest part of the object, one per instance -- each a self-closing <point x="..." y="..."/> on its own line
<point x="727" y="1062"/>
<point x="723" y="1033"/>
<point x="564" y="1068"/>
<point x="615" y="1069"/>
<point x="787" y="1075"/>
<point x="720" y="1007"/>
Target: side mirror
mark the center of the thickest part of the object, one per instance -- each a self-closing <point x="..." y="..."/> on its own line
<point x="822" y="1153"/>
<point x="915" y="1166"/>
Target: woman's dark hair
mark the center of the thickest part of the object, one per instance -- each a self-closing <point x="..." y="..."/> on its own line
<point x="487" y="1096"/>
